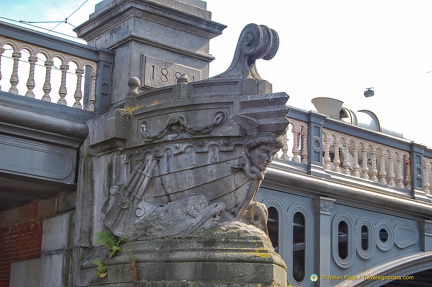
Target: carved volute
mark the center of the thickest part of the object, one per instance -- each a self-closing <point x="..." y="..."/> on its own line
<point x="255" y="42"/>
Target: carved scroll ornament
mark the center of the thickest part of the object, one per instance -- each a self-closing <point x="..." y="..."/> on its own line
<point x="255" y="42"/>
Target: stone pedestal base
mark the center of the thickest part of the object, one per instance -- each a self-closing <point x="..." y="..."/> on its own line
<point x="234" y="254"/>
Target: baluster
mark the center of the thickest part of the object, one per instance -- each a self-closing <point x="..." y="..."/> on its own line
<point x="426" y="184"/>
<point x="305" y="152"/>
<point x="365" y="167"/>
<point x="356" y="165"/>
<point x="31" y="81"/>
<point x="14" y="77"/>
<point x="392" y="175"/>
<point x="374" y="169"/>
<point x="62" y="89"/>
<point x="92" y="97"/>
<point x="408" y="173"/>
<point x="78" y="92"/>
<point x="47" y="84"/>
<point x="295" y="149"/>
<point x="336" y="160"/>
<point x="327" y="159"/>
<point x="346" y="162"/>
<point x="284" y="148"/>
<point x="382" y="172"/>
<point x="399" y="177"/>
<point x="1" y="53"/>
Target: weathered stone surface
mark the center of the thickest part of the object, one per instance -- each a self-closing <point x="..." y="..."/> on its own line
<point x="154" y="40"/>
<point x="194" y="155"/>
<point x="31" y="269"/>
<point x="230" y="254"/>
<point x="54" y="269"/>
<point x="178" y="172"/>
<point x="56" y="232"/>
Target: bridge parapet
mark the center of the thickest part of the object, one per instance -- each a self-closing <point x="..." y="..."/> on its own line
<point x="53" y="68"/>
<point x="356" y="153"/>
<point x="41" y="130"/>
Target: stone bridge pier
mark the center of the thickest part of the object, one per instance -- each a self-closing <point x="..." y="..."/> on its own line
<point x="169" y="171"/>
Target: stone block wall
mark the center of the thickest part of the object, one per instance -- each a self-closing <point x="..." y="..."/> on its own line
<point x="21" y="231"/>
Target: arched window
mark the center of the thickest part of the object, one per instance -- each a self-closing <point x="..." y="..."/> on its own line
<point x="299" y="252"/>
<point x="365" y="233"/>
<point x="299" y="245"/>
<point x="343" y="239"/>
<point x="273" y="227"/>
<point x="365" y="237"/>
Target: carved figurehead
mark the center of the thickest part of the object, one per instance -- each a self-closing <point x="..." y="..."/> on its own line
<point x="198" y="151"/>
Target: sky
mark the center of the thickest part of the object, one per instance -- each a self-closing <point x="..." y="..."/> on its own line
<point x="332" y="48"/>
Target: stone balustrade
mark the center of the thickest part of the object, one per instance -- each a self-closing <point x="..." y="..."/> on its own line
<point x="359" y="153"/>
<point x="52" y="69"/>
<point x="37" y="54"/>
<point x="365" y="159"/>
<point x="297" y="133"/>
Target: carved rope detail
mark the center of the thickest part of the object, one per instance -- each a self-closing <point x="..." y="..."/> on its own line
<point x="179" y="119"/>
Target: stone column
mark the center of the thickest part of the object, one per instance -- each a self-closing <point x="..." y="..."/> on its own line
<point x="156" y="41"/>
<point x="323" y="206"/>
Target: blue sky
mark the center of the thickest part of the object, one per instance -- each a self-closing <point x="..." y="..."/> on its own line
<point x="332" y="48"/>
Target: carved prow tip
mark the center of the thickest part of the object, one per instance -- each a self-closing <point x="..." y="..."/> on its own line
<point x="255" y="42"/>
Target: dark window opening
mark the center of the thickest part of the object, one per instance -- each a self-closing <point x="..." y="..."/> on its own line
<point x="343" y="239"/>
<point x="273" y="227"/>
<point x="383" y="235"/>
<point x="299" y="243"/>
<point x="364" y="237"/>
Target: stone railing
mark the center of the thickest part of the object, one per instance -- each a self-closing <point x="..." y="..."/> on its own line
<point x="357" y="152"/>
<point x="52" y="69"/>
<point x="366" y="159"/>
<point x="297" y="140"/>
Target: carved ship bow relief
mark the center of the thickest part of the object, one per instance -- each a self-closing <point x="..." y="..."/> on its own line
<point x="198" y="151"/>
